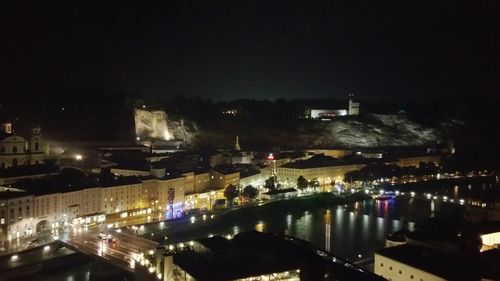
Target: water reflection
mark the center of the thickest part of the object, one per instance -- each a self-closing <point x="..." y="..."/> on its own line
<point x="260" y="226"/>
<point x="328" y="229"/>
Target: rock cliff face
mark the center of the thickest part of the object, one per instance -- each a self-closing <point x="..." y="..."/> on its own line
<point x="376" y="130"/>
<point x="364" y="131"/>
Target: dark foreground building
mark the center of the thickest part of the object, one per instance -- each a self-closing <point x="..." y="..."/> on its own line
<point x="247" y="256"/>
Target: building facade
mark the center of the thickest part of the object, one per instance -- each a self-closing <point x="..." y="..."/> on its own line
<point x="16" y="150"/>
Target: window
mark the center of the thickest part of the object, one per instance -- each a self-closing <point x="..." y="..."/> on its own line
<point x="2" y="149"/>
<point x="400" y="272"/>
<point x="411" y="276"/>
<point x="390" y="267"/>
<point x="36" y="146"/>
<point x="382" y="264"/>
<point x="14" y="149"/>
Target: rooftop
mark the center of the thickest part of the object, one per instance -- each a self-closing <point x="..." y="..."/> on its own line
<point x="255" y="253"/>
<point x="314" y="162"/>
<point x="247" y="170"/>
<point x="72" y="181"/>
<point x="28" y="170"/>
<point x="439" y="263"/>
<point x="225" y="169"/>
<point x="5" y="195"/>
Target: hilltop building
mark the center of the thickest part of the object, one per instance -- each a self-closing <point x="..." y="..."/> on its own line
<point x="330" y="114"/>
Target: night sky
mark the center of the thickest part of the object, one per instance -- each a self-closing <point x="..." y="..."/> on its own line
<point x="228" y="49"/>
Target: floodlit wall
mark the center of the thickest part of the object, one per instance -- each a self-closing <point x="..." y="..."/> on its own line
<point x="491" y="239"/>
<point x="151" y="125"/>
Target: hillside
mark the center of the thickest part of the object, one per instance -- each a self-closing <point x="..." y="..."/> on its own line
<point x="357" y="131"/>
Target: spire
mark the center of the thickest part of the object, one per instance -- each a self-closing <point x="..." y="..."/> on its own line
<point x="237" y="145"/>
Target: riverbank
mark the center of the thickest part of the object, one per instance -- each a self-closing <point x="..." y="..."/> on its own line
<point x="438" y="185"/>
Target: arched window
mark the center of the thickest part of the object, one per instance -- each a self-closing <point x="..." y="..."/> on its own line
<point x="36" y="146"/>
<point x="14" y="162"/>
<point x="14" y="149"/>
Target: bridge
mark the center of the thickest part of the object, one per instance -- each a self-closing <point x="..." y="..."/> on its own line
<point x="70" y="249"/>
<point x="120" y="253"/>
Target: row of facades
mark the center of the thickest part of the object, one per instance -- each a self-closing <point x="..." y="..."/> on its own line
<point x="22" y="214"/>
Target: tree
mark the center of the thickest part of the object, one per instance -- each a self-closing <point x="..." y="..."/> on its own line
<point x="314" y="183"/>
<point x="230" y="193"/>
<point x="272" y="183"/>
<point x="301" y="183"/>
<point x="249" y="192"/>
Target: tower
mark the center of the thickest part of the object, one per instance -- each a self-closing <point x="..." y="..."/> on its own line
<point x="237" y="145"/>
<point x="7" y="128"/>
<point x="35" y="142"/>
<point x="353" y="106"/>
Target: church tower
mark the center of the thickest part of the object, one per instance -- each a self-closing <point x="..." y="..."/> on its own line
<point x="35" y="142"/>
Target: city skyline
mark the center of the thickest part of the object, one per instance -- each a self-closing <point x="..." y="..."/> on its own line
<point x="249" y="140"/>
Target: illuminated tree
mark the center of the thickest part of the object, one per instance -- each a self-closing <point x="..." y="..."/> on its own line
<point x="249" y="192"/>
<point x="301" y="183"/>
<point x="231" y="192"/>
<point x="272" y="183"/>
<point x="314" y="183"/>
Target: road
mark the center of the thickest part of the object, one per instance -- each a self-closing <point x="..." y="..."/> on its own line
<point x="120" y="253"/>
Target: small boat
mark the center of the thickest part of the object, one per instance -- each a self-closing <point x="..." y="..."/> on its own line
<point x="384" y="197"/>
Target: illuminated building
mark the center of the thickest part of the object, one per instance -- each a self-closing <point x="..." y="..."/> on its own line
<point x="224" y="175"/>
<point x="327" y="114"/>
<point x="246" y="256"/>
<point x="16" y="150"/>
<point x="353" y="107"/>
<point x="323" y="168"/>
<point x="16" y="209"/>
<point x="330" y="114"/>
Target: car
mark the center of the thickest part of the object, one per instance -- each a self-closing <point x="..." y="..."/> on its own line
<point x="103" y="235"/>
<point x="112" y="240"/>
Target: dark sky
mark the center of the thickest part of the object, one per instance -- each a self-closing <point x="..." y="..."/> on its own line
<point x="226" y="49"/>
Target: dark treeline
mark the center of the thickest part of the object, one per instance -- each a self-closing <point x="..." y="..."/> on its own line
<point x="76" y="116"/>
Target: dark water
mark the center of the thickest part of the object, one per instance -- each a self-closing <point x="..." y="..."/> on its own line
<point x="345" y="230"/>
